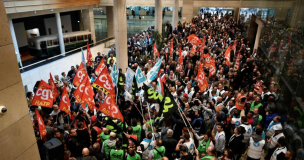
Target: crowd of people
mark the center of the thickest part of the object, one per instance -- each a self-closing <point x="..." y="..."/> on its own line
<point x="236" y="117"/>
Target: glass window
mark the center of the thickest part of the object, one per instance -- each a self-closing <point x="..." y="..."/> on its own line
<point x="55" y="42"/>
<point x="79" y="38"/>
<point x="43" y="44"/>
<point x="73" y="39"/>
<point x="89" y="36"/>
<point x="66" y="40"/>
<point x="85" y="37"/>
<point x="49" y="43"/>
<point x="32" y="44"/>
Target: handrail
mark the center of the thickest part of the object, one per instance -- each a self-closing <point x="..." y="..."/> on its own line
<point x="65" y="53"/>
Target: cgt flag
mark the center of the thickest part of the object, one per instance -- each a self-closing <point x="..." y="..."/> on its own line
<point x="237" y="61"/>
<point x="53" y="88"/>
<point x="43" y="96"/>
<point x="41" y="125"/>
<point x="201" y="79"/>
<point x="227" y="55"/>
<point x="65" y="104"/>
<point x="100" y="67"/>
<point x="81" y="75"/>
<point x="88" y="95"/>
<point x="104" y="82"/>
<point x="194" y="40"/>
<point x="79" y="91"/>
<point x="110" y="108"/>
<point x="156" y="53"/>
<point x="181" y="57"/>
<point x="171" y="47"/>
<point x="212" y="68"/>
<point x="169" y="104"/>
<point x="152" y="96"/>
<point x="89" y="55"/>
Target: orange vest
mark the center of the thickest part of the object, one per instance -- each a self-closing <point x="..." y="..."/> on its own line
<point x="238" y="104"/>
<point x="131" y="144"/>
<point x="99" y="131"/>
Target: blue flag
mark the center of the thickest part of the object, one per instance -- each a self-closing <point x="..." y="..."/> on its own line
<point x="152" y="74"/>
<point x="140" y="77"/>
<point x="114" y="75"/>
<point x="129" y="79"/>
<point x="83" y="59"/>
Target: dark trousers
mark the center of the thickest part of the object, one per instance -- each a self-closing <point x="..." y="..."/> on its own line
<point x="248" y="158"/>
<point x="270" y="152"/>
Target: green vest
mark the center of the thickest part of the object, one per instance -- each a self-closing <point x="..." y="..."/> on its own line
<point x="120" y="81"/>
<point x="252" y="106"/>
<point x="136" y="157"/>
<point x="207" y="157"/>
<point x="137" y="131"/>
<point x="104" y="137"/>
<point x="161" y="150"/>
<point x="116" y="154"/>
<point x="107" y="148"/>
<point x="301" y="114"/>
<point x="150" y="122"/>
<point x="202" y="147"/>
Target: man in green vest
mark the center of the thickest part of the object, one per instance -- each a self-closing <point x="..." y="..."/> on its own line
<point x="121" y="82"/>
<point x="298" y="114"/>
<point x="210" y="154"/>
<point x="136" y="129"/>
<point x="205" y="143"/>
<point x="109" y="144"/>
<point x="104" y="135"/>
<point x="117" y="153"/>
<point x="132" y="155"/>
<point x="256" y="104"/>
<point x="158" y="152"/>
<point x="148" y="123"/>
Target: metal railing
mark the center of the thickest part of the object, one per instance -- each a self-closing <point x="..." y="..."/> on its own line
<point x="69" y="52"/>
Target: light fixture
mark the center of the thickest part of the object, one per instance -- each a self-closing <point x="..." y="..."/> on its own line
<point x="51" y="10"/>
<point x="35" y="12"/>
<point x="78" y="21"/>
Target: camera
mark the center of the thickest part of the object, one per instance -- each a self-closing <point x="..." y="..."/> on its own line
<point x="2" y="109"/>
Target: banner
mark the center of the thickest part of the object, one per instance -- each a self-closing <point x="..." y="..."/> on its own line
<point x="237" y="62"/>
<point x="201" y="79"/>
<point x="43" y="96"/>
<point x="114" y="75"/>
<point x="128" y="96"/>
<point x="79" y="91"/>
<point x="88" y="95"/>
<point x="53" y="88"/>
<point x="169" y="104"/>
<point x="194" y="40"/>
<point x="181" y="57"/>
<point x="233" y="47"/>
<point x="208" y="61"/>
<point x="152" y="96"/>
<point x="110" y="108"/>
<point x="134" y="87"/>
<point x="65" y="104"/>
<point x="202" y="47"/>
<point x="89" y="55"/>
<point x="100" y="67"/>
<point x="104" y="82"/>
<point x="129" y="79"/>
<point x="41" y="125"/>
<point x="171" y="47"/>
<point x="81" y="74"/>
<point x="140" y="77"/>
<point x="83" y="58"/>
<point x="152" y="74"/>
<point x="227" y="55"/>
<point x="156" y="53"/>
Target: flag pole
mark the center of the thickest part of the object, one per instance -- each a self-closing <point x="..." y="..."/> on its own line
<point x="139" y="111"/>
<point x="187" y="126"/>
<point x="142" y="112"/>
<point x="150" y="120"/>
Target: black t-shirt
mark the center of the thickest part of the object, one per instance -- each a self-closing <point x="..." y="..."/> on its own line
<point x="187" y="157"/>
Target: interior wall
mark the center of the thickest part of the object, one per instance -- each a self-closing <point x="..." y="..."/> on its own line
<point x="50" y="24"/>
<point x="17" y="139"/>
<point x="20" y="34"/>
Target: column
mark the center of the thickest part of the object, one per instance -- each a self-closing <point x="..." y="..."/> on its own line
<point x="15" y="43"/>
<point x="17" y="139"/>
<point x="159" y="15"/>
<point x="120" y="30"/>
<point x="187" y="11"/>
<point x="88" y="22"/>
<point x="60" y="36"/>
<point x="195" y="11"/>
<point x="297" y="14"/>
<point x="110" y="21"/>
<point x="175" y="14"/>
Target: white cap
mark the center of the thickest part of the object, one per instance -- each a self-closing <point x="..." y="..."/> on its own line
<point x="278" y="127"/>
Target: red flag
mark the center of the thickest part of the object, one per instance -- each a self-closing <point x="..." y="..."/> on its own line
<point x="201" y="79"/>
<point x="212" y="68"/>
<point x="156" y="53"/>
<point x="81" y="75"/>
<point x="104" y="82"/>
<point x="53" y="88"/>
<point x="65" y="104"/>
<point x="208" y="60"/>
<point x="194" y="39"/>
<point x="79" y="91"/>
<point x="109" y="107"/>
<point x="171" y="47"/>
<point x="202" y="46"/>
<point x="193" y="50"/>
<point x="181" y="57"/>
<point x="88" y="95"/>
<point x="227" y="55"/>
<point x="237" y="62"/>
<point x="89" y="55"/>
<point x="41" y="125"/>
<point x="234" y="46"/>
<point x="43" y="96"/>
<point x="162" y="82"/>
<point x="100" y="67"/>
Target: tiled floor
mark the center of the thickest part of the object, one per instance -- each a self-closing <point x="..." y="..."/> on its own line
<point x="134" y="25"/>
